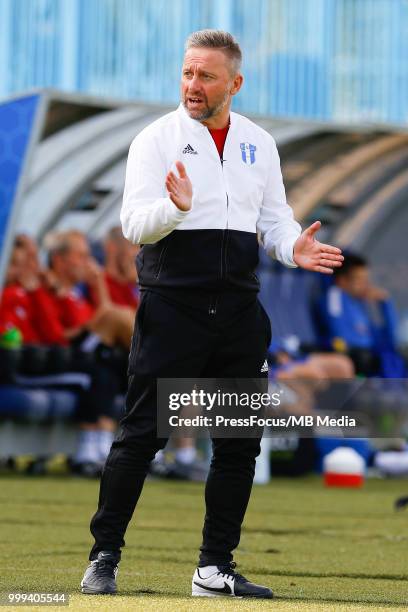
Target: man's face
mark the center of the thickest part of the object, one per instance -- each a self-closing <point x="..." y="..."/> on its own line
<point x="76" y="259"/>
<point x="18" y="261"/>
<point x="207" y="82"/>
<point x="356" y="282"/>
<point x="31" y="250"/>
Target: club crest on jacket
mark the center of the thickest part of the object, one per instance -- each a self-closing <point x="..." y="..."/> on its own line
<point x="248" y="152"/>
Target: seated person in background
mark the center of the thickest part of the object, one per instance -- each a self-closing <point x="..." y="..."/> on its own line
<point x="120" y="269"/>
<point x="14" y="303"/>
<point x="316" y="366"/>
<point x="25" y="303"/>
<point x="47" y="305"/>
<point x="359" y="317"/>
<point x="47" y="309"/>
<point x="87" y="312"/>
<point x="89" y="319"/>
<point x="310" y="374"/>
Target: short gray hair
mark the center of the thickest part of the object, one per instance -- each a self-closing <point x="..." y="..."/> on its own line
<point x="60" y="243"/>
<point x="216" y="39"/>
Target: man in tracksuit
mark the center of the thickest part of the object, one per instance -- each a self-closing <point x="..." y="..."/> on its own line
<point x="198" y="221"/>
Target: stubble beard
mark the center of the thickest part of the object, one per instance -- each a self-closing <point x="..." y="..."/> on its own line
<point x="209" y="112"/>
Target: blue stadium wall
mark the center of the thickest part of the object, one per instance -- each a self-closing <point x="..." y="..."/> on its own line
<point x="341" y="60"/>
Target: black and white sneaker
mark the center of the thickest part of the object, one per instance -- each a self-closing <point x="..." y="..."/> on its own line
<point x="100" y="575"/>
<point x="222" y="580"/>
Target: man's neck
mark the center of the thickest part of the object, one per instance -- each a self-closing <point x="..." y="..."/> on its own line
<point x="219" y="121"/>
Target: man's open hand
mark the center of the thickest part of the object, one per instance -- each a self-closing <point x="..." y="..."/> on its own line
<point x="313" y="255"/>
<point x="180" y="188"/>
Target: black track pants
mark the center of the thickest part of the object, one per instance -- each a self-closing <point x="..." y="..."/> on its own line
<point x="222" y="336"/>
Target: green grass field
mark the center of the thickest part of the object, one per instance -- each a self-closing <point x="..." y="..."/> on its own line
<point x="318" y="549"/>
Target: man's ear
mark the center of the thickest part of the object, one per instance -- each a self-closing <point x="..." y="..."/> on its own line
<point x="236" y="84"/>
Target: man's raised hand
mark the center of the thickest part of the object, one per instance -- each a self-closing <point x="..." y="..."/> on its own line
<point x="180" y="188"/>
<point x="310" y="254"/>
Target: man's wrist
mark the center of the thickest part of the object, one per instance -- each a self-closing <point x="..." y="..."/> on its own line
<point x="183" y="208"/>
<point x="289" y="255"/>
<point x="178" y="212"/>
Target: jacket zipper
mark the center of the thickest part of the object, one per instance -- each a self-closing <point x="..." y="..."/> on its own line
<point x="223" y="264"/>
<point x="224" y="233"/>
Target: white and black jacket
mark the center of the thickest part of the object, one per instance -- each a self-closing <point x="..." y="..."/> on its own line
<point x="214" y="245"/>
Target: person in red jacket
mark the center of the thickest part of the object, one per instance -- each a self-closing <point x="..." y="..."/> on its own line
<point x="82" y="303"/>
<point x="46" y="304"/>
<point x="25" y="302"/>
<point x="120" y="270"/>
<point x="91" y="322"/>
<point x="14" y="303"/>
<point x="47" y="308"/>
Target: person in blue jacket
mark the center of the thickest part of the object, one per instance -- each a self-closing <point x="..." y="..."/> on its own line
<point x="360" y="318"/>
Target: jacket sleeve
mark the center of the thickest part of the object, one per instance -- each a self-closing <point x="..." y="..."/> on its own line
<point x="276" y="224"/>
<point x="147" y="215"/>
